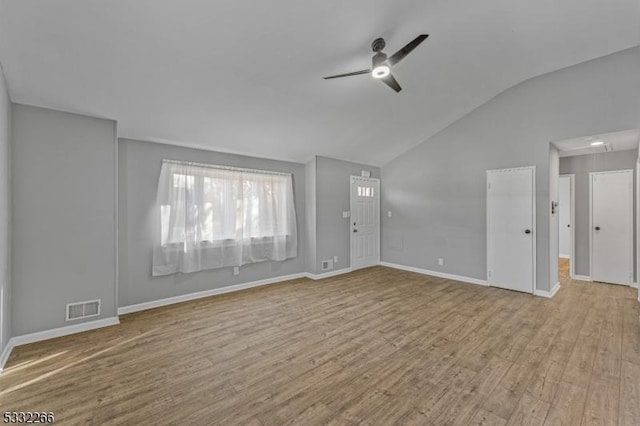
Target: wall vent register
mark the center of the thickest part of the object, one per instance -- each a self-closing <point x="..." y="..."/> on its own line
<point x="81" y="310"/>
<point x="327" y="265"/>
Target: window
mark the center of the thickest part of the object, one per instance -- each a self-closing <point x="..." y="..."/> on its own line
<point x="365" y="191"/>
<point x="212" y="217"/>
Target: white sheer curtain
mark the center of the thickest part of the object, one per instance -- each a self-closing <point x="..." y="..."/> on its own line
<point x="212" y="217"/>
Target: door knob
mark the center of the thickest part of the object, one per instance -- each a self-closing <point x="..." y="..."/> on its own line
<point x="597" y="228"/>
<point x="527" y="231"/>
<point x="355" y="230"/>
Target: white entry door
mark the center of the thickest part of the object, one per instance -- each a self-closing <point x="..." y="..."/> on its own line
<point x="612" y="227"/>
<point x="510" y="228"/>
<point x="365" y="222"/>
<point x="564" y="216"/>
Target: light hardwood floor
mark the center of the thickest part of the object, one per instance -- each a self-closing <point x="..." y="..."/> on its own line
<point x="377" y="346"/>
<point x="563" y="268"/>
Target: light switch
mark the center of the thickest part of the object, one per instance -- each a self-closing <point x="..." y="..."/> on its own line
<point x="389" y="213"/>
<point x="346" y="214"/>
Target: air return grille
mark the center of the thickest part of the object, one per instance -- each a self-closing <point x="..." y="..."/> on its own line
<point x="80" y="310"/>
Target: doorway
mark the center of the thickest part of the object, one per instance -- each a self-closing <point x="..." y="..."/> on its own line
<point x="365" y="222"/>
<point x="511" y="234"/>
<point x="611" y="226"/>
<point x="602" y="163"/>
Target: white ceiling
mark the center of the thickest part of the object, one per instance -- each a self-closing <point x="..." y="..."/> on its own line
<point x="616" y="141"/>
<point x="246" y="76"/>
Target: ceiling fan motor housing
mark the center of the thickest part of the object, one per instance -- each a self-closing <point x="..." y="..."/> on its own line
<point x="378" y="59"/>
<point x="378" y="44"/>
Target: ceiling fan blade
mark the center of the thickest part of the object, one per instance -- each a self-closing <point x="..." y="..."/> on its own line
<point x="400" y="54"/>
<point x="391" y="82"/>
<point x="348" y="74"/>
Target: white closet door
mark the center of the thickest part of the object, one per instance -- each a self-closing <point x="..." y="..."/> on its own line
<point x="612" y="227"/>
<point x="510" y="228"/>
<point x="564" y="216"/>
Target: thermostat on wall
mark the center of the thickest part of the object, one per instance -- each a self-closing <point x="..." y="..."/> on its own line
<point x="365" y="173"/>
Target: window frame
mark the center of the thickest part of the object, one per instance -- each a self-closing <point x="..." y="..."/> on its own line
<point x="223" y="242"/>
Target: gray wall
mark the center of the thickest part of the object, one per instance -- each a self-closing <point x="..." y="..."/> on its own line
<point x="581" y="166"/>
<point x="437" y="189"/>
<point x="333" y="196"/>
<point x="5" y="213"/>
<point x="63" y="216"/>
<point x="310" y="208"/>
<point x="139" y="168"/>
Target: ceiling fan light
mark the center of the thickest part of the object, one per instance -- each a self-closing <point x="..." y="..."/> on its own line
<point x="381" y="71"/>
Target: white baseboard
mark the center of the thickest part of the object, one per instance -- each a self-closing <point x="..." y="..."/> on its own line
<point x="634" y="285"/>
<point x="63" y="331"/>
<point x="581" y="278"/>
<point x="436" y="274"/>
<point x="547" y="294"/>
<point x="207" y="293"/>
<point x="51" y="334"/>
<point x="328" y="274"/>
<point x="564" y="256"/>
<point x="5" y="354"/>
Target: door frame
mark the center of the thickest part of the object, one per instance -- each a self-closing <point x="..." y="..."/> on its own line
<point x="637" y="235"/>
<point x="377" y="209"/>
<point x="534" y="227"/>
<point x="637" y="219"/>
<point x="572" y="216"/>
<point x="591" y="175"/>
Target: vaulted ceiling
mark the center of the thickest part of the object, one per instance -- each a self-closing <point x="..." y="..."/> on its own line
<point x="246" y="76"/>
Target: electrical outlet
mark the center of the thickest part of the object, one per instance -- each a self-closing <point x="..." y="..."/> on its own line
<point x="440" y="261"/>
<point x="346" y="214"/>
<point x="236" y="270"/>
<point x="389" y="213"/>
<point x="335" y="259"/>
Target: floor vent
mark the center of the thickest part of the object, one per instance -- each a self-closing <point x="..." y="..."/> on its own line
<point x="80" y="310"/>
<point x="327" y="265"/>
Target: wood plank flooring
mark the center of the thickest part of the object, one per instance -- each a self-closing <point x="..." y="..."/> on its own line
<point x="377" y="346"/>
<point x="563" y="267"/>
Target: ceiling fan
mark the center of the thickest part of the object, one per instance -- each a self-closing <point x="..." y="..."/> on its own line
<point x="381" y="65"/>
